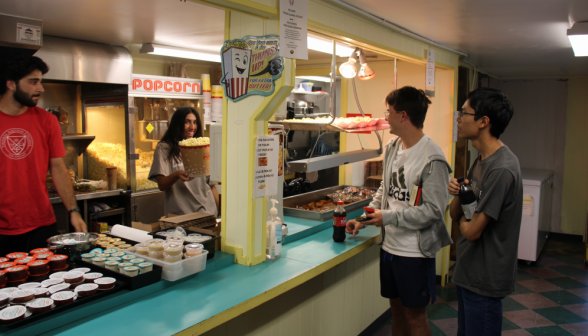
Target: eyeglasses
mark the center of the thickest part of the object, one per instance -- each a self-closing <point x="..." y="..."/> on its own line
<point x="461" y="114"/>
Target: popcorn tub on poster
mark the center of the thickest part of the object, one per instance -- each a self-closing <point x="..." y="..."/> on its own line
<point x="196" y="156"/>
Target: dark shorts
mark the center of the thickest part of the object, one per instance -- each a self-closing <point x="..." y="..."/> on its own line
<point x="27" y="241"/>
<point x="410" y="279"/>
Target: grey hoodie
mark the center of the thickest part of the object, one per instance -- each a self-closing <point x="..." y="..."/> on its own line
<point x="428" y="219"/>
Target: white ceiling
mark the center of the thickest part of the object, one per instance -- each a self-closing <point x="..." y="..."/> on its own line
<point x="123" y="22"/>
<point x="505" y="38"/>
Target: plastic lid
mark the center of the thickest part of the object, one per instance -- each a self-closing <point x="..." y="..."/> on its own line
<point x="339" y="202"/>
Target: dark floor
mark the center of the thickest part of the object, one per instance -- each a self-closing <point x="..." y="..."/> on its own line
<point x="551" y="297"/>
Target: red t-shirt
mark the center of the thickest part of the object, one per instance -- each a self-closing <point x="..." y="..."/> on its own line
<point x="27" y="142"/>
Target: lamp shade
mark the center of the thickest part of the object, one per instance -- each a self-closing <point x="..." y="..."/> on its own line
<point x="366" y="73"/>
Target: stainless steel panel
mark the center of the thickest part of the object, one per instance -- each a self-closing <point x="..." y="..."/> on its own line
<point x="159" y="129"/>
<point x="290" y="204"/>
<point x="82" y="61"/>
<point x="334" y="160"/>
<point x="8" y="31"/>
<point x="147" y="207"/>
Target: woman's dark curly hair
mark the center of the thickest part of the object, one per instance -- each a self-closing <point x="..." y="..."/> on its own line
<point x="175" y="131"/>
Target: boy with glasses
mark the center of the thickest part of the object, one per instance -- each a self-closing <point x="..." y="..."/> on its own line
<point x="487" y="248"/>
<point x="410" y="208"/>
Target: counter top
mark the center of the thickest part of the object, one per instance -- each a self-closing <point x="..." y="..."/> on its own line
<point x="201" y="302"/>
<point x="80" y="196"/>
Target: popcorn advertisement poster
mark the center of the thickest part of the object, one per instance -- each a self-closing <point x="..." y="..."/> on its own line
<point x="250" y="66"/>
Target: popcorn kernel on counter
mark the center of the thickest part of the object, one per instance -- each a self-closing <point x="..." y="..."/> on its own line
<point x="192" y="142"/>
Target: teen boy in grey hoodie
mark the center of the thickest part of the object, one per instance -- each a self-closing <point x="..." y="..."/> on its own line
<point x="410" y="207"/>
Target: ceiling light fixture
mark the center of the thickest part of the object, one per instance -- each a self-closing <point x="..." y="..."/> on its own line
<point x="157" y="49"/>
<point x="327" y="47"/>
<point x="578" y="36"/>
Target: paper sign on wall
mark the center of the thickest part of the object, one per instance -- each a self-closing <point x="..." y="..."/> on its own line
<point x="293" y="31"/>
<point x="430" y="77"/>
<point x="250" y="66"/>
<point x="528" y="204"/>
<point x="265" y="181"/>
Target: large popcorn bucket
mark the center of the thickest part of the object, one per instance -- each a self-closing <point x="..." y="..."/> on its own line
<point x="196" y="160"/>
<point x="236" y="62"/>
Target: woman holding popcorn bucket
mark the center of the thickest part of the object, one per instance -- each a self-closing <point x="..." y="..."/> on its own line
<point x="181" y="166"/>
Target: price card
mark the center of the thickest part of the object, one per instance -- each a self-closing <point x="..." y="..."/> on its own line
<point x="265" y="181"/>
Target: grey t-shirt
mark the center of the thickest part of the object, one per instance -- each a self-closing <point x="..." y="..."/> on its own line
<point x="488" y="266"/>
<point x="183" y="197"/>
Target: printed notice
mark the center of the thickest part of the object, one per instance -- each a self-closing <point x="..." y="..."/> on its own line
<point x="430" y="77"/>
<point x="28" y="34"/>
<point x="265" y="181"/>
<point x="528" y="204"/>
<point x="293" y="33"/>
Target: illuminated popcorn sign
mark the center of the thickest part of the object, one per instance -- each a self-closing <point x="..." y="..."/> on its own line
<point x="250" y="66"/>
<point x="165" y="85"/>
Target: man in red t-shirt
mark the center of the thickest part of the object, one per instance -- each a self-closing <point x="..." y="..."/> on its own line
<point x="30" y="144"/>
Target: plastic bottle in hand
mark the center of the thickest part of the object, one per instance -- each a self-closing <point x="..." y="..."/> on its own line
<point x="339" y="223"/>
<point x="467" y="198"/>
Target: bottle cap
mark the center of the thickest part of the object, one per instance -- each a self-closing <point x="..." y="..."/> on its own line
<point x="460" y="180"/>
<point x="339" y="202"/>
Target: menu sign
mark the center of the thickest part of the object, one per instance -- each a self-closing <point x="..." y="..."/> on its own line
<point x="293" y="28"/>
<point x="265" y="181"/>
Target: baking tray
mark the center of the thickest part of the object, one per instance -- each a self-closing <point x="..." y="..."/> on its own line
<point x="118" y="285"/>
<point x="291" y="202"/>
<point x="209" y="245"/>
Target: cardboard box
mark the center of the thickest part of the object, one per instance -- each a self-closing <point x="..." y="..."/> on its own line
<point x="197" y="219"/>
<point x="153" y="227"/>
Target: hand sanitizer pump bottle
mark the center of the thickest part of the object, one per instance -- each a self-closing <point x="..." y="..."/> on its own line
<point x="273" y="233"/>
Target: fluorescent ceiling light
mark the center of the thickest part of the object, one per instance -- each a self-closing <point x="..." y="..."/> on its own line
<point x="316" y="78"/>
<point x="327" y="47"/>
<point x="157" y="49"/>
<point x="578" y="36"/>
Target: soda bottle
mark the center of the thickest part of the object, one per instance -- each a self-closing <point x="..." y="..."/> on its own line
<point x="339" y="223"/>
<point x="467" y="198"/>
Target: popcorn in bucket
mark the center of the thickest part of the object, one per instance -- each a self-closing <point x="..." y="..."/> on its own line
<point x="196" y="156"/>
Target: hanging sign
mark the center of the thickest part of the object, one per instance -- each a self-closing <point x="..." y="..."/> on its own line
<point x="250" y="66"/>
<point x="265" y="181"/>
<point x="293" y="28"/>
<point x="430" y="78"/>
<point x="147" y="85"/>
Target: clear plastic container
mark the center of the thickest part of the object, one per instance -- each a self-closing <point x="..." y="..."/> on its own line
<point x="156" y="254"/>
<point x="156" y="245"/>
<point x="121" y="267"/>
<point x="176" y="240"/>
<point x="178" y="270"/>
<point x="142" y="248"/>
<point x="145" y="267"/>
<point x="172" y="258"/>
<point x="137" y="261"/>
<point x="173" y="249"/>
<point x="131" y="270"/>
<point x="112" y="265"/>
<point x="194" y="249"/>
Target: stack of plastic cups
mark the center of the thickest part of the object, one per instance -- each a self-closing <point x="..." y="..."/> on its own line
<point x="207" y="97"/>
<point x="217" y="103"/>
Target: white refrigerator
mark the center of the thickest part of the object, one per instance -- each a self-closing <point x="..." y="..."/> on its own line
<point x="536" y="221"/>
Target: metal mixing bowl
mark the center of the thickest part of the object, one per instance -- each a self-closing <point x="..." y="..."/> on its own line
<point x="84" y="243"/>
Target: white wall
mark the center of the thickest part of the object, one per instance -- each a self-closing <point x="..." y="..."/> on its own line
<point x="537" y="131"/>
<point x="372" y="95"/>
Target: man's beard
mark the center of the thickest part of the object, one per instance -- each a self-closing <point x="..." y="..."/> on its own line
<point x="23" y="98"/>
